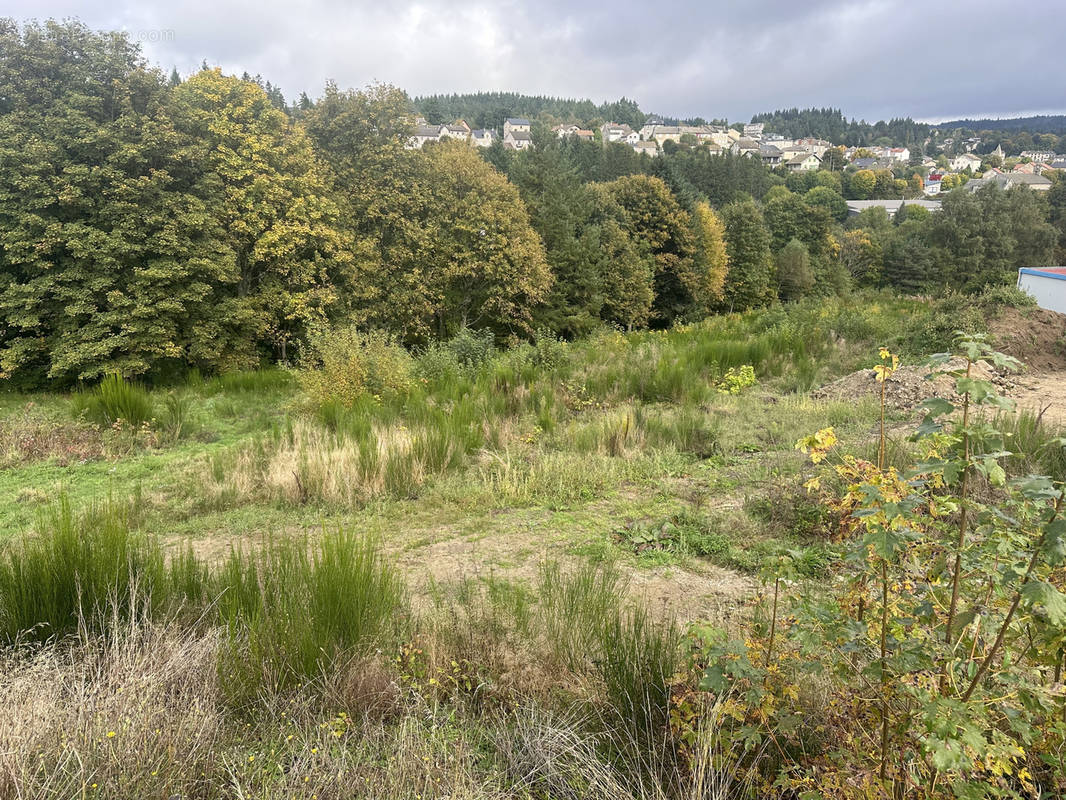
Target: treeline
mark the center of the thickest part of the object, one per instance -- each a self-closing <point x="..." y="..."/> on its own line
<point x="490" y="109"/>
<point x="975" y="240"/>
<point x="1043" y="123"/>
<point x="831" y="124"/>
<point x="151" y="225"/>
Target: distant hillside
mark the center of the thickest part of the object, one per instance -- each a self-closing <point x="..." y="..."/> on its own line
<point x="1055" y="124"/>
<point x="490" y="109"/>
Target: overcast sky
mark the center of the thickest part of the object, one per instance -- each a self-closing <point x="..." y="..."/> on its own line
<point x="930" y="59"/>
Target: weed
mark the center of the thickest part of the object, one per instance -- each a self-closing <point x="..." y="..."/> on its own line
<point x="346" y="364"/>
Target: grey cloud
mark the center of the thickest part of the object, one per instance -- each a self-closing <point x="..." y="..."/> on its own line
<point x="872" y="58"/>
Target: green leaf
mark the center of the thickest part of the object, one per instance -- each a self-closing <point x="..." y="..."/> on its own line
<point x="938" y="406"/>
<point x="1036" y="487"/>
<point x="991" y="469"/>
<point x="938" y="359"/>
<point x="886" y="541"/>
<point x="1040" y="593"/>
<point x="1054" y="548"/>
<point x="947" y="754"/>
<point x="1003" y="361"/>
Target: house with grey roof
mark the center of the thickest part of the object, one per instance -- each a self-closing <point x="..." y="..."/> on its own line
<point x="745" y="147"/>
<point x="1008" y="180"/>
<point x="423" y="133"/>
<point x="804" y="162"/>
<point x="483" y="137"/>
<point x="515" y="124"/>
<point x="770" y="154"/>
<point x="516" y="133"/>
<point x="517" y="139"/>
<point x="458" y="130"/>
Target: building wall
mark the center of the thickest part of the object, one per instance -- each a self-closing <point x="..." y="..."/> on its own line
<point x="1049" y="292"/>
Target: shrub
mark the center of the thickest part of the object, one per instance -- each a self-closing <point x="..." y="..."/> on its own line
<point x="345" y="364"/>
<point x="1004" y="295"/>
<point x="934" y="331"/>
<point x="549" y="350"/>
<point x="737" y="380"/>
<point x="471" y="348"/>
<point x="115" y="399"/>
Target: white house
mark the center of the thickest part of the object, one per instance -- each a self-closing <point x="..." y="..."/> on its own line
<point x="483" y="137"/>
<point x="515" y="125"/>
<point x="856" y="207"/>
<point x="460" y="130"/>
<point x="1047" y="285"/>
<point x="960" y="162"/>
<point x="1038" y="155"/>
<point x="424" y="133"/>
<point x="613" y="132"/>
<point x="1008" y="180"/>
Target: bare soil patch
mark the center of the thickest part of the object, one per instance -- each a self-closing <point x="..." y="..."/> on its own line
<point x="1043" y="393"/>
<point x="512" y="544"/>
<point x="1035" y="336"/>
<point x="909" y="386"/>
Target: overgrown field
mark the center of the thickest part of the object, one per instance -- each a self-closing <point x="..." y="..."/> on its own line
<point x="588" y="569"/>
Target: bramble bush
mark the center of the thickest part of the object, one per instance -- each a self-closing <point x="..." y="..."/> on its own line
<point x="931" y="666"/>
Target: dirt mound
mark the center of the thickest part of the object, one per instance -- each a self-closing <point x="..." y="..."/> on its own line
<point x="1034" y="336"/>
<point x="1043" y="393"/>
<point x="908" y="387"/>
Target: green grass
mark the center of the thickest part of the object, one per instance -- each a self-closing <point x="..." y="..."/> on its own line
<point x="293" y="607"/>
<point x="475" y="542"/>
<point x="90" y="568"/>
<point x="115" y="400"/>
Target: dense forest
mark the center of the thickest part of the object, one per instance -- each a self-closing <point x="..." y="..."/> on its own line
<point x="1054" y="124"/>
<point x="490" y="109"/>
<point x="831" y="124"/>
<point x="150" y="224"/>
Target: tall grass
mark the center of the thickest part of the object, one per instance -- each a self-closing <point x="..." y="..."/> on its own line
<point x="1036" y="444"/>
<point x="114" y="399"/>
<point x="260" y="381"/>
<point x="89" y="568"/>
<point x="588" y="625"/>
<point x="288" y="608"/>
<point x="294" y="607"/>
